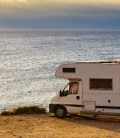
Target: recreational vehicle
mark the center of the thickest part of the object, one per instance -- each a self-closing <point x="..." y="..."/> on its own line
<point x="93" y="88"/>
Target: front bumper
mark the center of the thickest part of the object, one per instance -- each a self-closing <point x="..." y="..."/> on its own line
<point x="51" y="108"/>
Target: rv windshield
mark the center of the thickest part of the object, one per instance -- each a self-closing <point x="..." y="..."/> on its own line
<point x="71" y="88"/>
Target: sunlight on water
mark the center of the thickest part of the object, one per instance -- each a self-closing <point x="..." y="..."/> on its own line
<point x="29" y="59"/>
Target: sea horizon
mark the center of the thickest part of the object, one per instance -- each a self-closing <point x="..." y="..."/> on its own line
<point x="55" y="29"/>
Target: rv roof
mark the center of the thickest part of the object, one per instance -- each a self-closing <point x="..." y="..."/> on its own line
<point x="100" y="62"/>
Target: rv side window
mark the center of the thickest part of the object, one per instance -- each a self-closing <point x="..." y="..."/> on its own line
<point x="101" y="84"/>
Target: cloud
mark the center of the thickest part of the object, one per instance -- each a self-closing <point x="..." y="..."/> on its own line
<point x="59" y="13"/>
<point x="8" y="2"/>
<point x="63" y="1"/>
<point x="84" y="11"/>
<point x="38" y="4"/>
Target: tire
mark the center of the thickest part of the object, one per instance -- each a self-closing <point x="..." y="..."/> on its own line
<point x="60" y="111"/>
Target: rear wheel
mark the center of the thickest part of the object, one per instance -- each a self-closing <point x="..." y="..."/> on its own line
<point x="60" y="111"/>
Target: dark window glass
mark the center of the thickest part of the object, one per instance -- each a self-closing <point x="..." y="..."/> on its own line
<point x="69" y="70"/>
<point x="101" y="84"/>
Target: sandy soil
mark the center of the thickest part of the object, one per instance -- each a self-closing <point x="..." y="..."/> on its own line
<point x="44" y="126"/>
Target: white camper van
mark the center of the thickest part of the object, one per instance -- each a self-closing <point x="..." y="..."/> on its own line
<point x="93" y="88"/>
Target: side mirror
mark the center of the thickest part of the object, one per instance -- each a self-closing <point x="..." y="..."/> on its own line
<point x="66" y="93"/>
<point x="60" y="93"/>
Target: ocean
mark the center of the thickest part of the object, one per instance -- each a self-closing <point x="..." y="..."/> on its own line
<point x="30" y="58"/>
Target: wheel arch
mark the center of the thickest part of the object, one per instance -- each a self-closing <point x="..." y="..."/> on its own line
<point x="57" y="105"/>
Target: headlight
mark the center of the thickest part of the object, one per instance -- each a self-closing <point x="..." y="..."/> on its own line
<point x="51" y="99"/>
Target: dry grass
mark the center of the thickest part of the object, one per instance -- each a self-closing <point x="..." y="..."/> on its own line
<point x="44" y="126"/>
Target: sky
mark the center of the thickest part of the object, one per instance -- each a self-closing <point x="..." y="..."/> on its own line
<point x="59" y="14"/>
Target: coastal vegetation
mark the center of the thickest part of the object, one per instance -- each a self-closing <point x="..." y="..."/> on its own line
<point x="25" y="110"/>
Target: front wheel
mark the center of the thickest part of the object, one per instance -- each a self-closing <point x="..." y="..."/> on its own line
<point x="60" y="111"/>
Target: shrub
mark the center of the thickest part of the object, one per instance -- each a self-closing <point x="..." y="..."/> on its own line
<point x="5" y="113"/>
<point x="25" y="110"/>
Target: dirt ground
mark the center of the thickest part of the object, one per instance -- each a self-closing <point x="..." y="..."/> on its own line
<point x="45" y="126"/>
